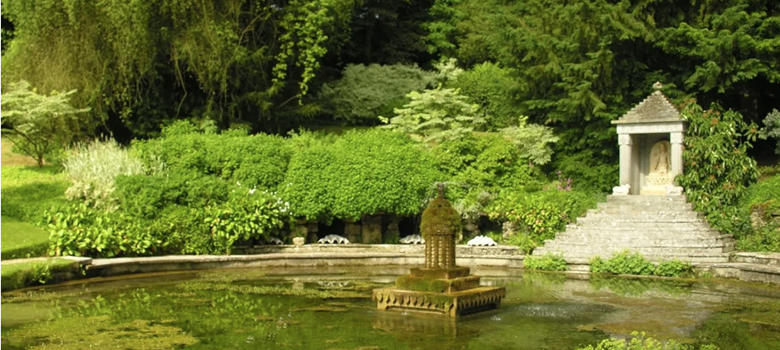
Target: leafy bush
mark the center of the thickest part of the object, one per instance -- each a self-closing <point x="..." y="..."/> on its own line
<point x="485" y="162"/>
<point x="436" y="115"/>
<point x="143" y="196"/>
<point x="93" y="167"/>
<point x="541" y="214"/>
<point x="247" y="215"/>
<point x="673" y="268"/>
<point x="772" y="128"/>
<point x="491" y="87"/>
<point x="762" y="203"/>
<point x="80" y="230"/>
<point x="365" y="92"/>
<point x="362" y="173"/>
<point x="640" y="342"/>
<point x="718" y="170"/>
<point x="628" y="263"/>
<point x="254" y="161"/>
<point x="548" y="262"/>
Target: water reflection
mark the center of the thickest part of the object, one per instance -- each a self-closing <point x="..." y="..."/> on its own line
<point x="251" y="309"/>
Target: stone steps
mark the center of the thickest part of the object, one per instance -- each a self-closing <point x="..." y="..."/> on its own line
<point x="648" y="252"/>
<point x="688" y="243"/>
<point x="658" y="227"/>
<point x="772" y="259"/>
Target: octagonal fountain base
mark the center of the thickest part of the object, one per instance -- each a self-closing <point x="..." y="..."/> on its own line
<point x="450" y="292"/>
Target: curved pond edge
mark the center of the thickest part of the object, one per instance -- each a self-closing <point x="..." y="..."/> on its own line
<point x="751" y="267"/>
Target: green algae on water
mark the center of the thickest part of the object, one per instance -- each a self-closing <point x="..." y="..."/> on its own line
<point x="100" y="332"/>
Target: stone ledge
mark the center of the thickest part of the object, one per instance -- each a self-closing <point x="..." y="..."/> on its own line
<point x="758" y="258"/>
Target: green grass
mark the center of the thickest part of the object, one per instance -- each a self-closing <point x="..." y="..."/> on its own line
<point x="19" y="275"/>
<point x="28" y="191"/>
<point x="21" y="239"/>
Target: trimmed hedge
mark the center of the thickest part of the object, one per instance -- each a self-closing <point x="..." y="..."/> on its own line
<point x="361" y="173"/>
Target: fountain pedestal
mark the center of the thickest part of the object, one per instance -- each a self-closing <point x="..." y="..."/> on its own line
<point x="441" y="287"/>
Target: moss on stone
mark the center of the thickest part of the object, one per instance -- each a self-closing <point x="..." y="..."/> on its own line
<point x="439" y="216"/>
<point x="421" y="284"/>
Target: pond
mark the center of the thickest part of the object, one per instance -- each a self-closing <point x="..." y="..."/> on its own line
<point x="330" y="308"/>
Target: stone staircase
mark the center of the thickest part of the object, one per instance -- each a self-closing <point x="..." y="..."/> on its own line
<point x="658" y="227"/>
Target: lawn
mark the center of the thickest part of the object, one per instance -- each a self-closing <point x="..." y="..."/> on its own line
<point x="24" y="274"/>
<point x="21" y="239"/>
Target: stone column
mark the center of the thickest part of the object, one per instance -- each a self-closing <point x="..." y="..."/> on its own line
<point x="624" y="140"/>
<point x="371" y="229"/>
<point x="352" y="231"/>
<point x="676" y="139"/>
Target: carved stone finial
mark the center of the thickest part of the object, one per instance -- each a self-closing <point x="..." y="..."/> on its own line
<point x="440" y="188"/>
<point x="658" y="86"/>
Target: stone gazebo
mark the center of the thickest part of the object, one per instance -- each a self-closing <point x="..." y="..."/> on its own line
<point x="650" y="136"/>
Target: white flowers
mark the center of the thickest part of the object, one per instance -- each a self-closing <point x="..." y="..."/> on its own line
<point x="252" y="191"/>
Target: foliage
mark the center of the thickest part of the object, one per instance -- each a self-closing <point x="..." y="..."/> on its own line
<point x="548" y="262"/>
<point x="772" y="128"/>
<point x="80" y="230"/>
<point x="540" y="214"/>
<point x="533" y="141"/>
<point x="436" y="115"/>
<point x="28" y="191"/>
<point x="762" y="203"/>
<point x="485" y="162"/>
<point x="638" y="341"/>
<point x="491" y="87"/>
<point x="246" y="215"/>
<point x="361" y="173"/>
<point x="39" y="124"/>
<point x="147" y="62"/>
<point x="22" y="240"/>
<point x="673" y="268"/>
<point x="717" y="167"/>
<point x="628" y="263"/>
<point x="143" y="196"/>
<point x="93" y="167"/>
<point x="365" y="92"/>
<point x="25" y="274"/>
<point x="254" y="161"/>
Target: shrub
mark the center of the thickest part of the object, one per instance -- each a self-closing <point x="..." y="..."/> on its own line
<point x="718" y="170"/>
<point x="436" y="115"/>
<point x="762" y="203"/>
<point x="628" y="263"/>
<point x="491" y="87"/>
<point x="80" y="230"/>
<point x="623" y="263"/>
<point x="540" y="214"/>
<point x="247" y="215"/>
<point x="548" y="262"/>
<point x="772" y="128"/>
<point x="254" y="161"/>
<point x="143" y="196"/>
<point x="640" y="342"/>
<point x="365" y="92"/>
<point x="93" y="167"/>
<point x="362" y="173"/>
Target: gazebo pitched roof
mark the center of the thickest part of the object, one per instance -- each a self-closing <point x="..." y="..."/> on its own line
<point x="655" y="108"/>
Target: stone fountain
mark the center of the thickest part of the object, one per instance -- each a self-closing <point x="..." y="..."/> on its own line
<point x="440" y="287"/>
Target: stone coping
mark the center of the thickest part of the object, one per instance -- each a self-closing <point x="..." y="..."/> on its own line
<point x="763" y="268"/>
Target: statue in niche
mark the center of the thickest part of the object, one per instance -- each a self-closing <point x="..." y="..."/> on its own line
<point x="659" y="159"/>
